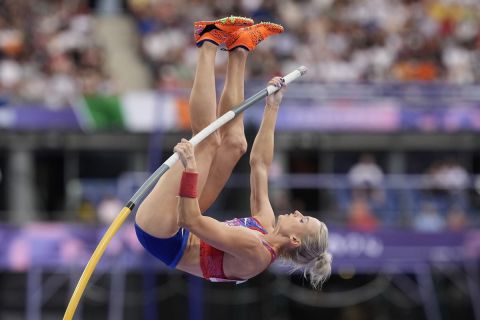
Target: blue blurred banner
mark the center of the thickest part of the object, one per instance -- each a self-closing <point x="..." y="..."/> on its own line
<point x="401" y="251"/>
<point x="68" y="245"/>
<point x="37" y="118"/>
<point x="149" y="111"/>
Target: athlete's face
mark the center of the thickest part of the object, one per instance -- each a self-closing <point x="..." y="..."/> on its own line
<point x="297" y="224"/>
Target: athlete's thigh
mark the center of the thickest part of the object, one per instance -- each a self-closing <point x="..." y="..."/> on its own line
<point x="157" y="215"/>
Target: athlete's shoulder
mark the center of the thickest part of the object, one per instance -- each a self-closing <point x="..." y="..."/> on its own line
<point x="266" y="222"/>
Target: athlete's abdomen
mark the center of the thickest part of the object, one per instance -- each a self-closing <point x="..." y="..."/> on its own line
<point x="190" y="261"/>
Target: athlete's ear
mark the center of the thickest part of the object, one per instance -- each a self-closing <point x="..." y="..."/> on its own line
<point x="295" y="242"/>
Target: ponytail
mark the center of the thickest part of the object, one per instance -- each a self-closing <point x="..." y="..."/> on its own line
<point x="319" y="270"/>
<point x="312" y="256"/>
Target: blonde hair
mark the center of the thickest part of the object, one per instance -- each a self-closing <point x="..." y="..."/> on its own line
<point x="312" y="257"/>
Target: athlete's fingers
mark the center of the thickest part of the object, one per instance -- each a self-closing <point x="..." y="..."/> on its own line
<point x="277" y="82"/>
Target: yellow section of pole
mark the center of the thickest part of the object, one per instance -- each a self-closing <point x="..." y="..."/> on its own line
<point x="92" y="263"/>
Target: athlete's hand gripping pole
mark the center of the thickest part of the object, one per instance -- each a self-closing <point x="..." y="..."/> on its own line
<point x="152" y="180"/>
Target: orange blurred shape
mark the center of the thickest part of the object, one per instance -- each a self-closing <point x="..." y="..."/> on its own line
<point x="11" y="42"/>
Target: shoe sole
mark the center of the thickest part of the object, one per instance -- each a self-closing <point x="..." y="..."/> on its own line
<point x="276" y="28"/>
<point x="227" y="21"/>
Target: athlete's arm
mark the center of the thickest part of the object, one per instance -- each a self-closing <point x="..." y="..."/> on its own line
<point x="261" y="159"/>
<point x="235" y="241"/>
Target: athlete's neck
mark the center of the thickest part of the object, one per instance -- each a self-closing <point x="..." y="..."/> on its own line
<point x="276" y="241"/>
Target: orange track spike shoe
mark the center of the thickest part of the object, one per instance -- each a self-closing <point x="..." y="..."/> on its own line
<point x="218" y="31"/>
<point x="249" y="37"/>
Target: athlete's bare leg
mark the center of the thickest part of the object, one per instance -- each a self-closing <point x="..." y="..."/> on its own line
<point x="233" y="143"/>
<point x="157" y="214"/>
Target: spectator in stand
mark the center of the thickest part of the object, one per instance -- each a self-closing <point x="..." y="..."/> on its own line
<point x="366" y="173"/>
<point x="454" y="176"/>
<point x="428" y="219"/>
<point x="457" y="220"/>
<point x="361" y="216"/>
<point x="108" y="209"/>
<point x="447" y="182"/>
<point x="366" y="178"/>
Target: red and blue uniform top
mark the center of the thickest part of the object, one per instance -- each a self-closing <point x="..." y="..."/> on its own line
<point x="211" y="259"/>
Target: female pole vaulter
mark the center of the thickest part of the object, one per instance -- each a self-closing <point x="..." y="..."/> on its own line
<point x="169" y="222"/>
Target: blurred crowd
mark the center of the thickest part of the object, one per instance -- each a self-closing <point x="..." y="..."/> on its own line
<point x="340" y="40"/>
<point x="50" y="47"/>
<point x="48" y="53"/>
<point x="440" y="201"/>
<point x="365" y="198"/>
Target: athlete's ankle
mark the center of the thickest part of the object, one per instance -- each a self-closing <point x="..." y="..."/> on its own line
<point x="207" y="45"/>
<point x="239" y="51"/>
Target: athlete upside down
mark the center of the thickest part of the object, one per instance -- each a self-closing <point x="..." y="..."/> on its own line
<point x="170" y="224"/>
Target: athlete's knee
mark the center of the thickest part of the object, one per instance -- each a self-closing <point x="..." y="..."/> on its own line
<point x="151" y="220"/>
<point x="237" y="144"/>
<point x="213" y="141"/>
<point x="142" y="215"/>
<point x="209" y="145"/>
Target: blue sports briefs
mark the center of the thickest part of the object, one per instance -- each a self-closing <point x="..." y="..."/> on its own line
<point x="169" y="250"/>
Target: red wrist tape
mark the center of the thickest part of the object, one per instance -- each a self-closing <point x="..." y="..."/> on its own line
<point x="188" y="185"/>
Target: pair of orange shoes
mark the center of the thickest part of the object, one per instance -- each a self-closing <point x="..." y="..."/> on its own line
<point x="234" y="32"/>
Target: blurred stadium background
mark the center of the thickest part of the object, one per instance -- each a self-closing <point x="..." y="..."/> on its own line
<point x="379" y="139"/>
